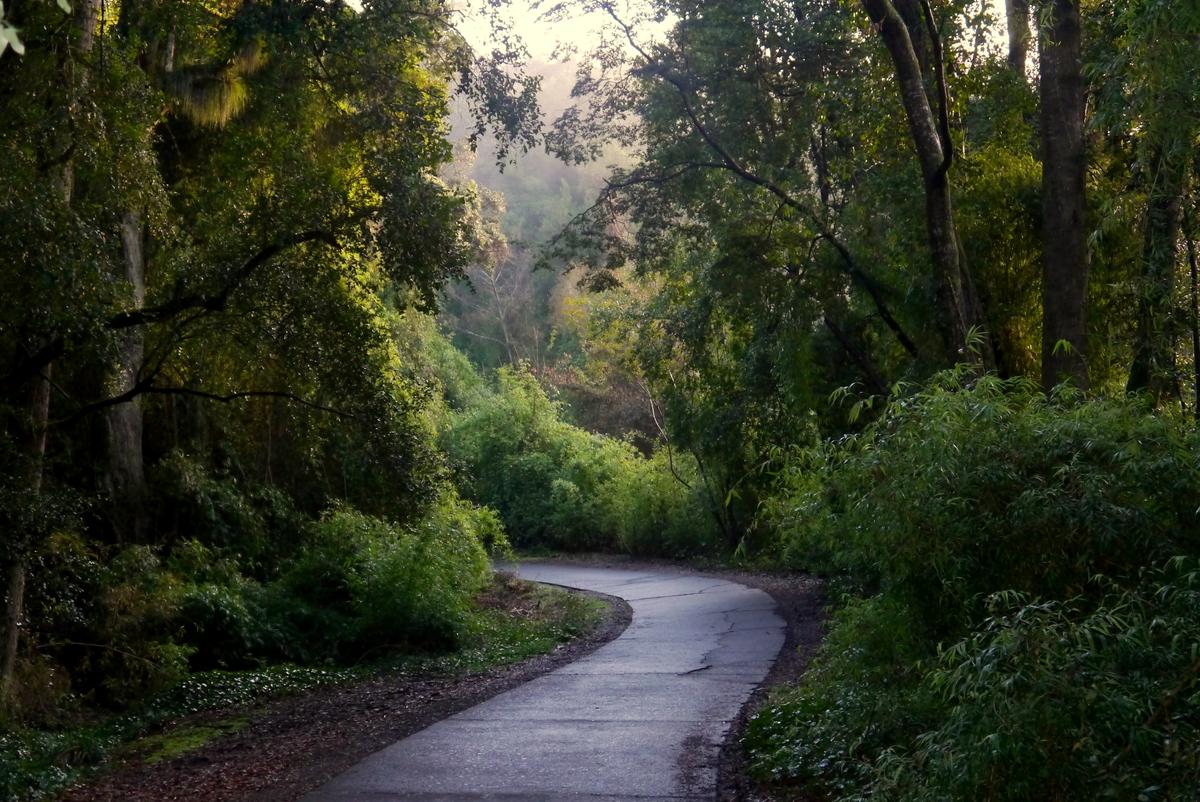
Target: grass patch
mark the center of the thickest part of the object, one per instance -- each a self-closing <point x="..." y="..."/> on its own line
<point x="183" y="739"/>
<point x="514" y="620"/>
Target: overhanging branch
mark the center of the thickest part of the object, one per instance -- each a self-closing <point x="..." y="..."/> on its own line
<point x="33" y="364"/>
<point x="149" y="388"/>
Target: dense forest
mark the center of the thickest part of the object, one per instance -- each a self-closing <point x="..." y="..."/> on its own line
<point x="310" y="307"/>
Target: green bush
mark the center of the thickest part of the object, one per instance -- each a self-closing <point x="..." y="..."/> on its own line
<point x="543" y="475"/>
<point x="657" y="514"/>
<point x="368" y="585"/>
<point x="204" y="505"/>
<point x="558" y="486"/>
<point x="965" y="490"/>
<point x="138" y="606"/>
<point x="860" y="696"/>
<point x="1010" y="632"/>
<point x="1065" y="700"/>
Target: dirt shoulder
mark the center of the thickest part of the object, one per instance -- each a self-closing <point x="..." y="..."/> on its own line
<point x="291" y="746"/>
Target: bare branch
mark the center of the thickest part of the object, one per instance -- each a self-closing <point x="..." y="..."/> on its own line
<point x="939" y="68"/>
<point x="220" y="299"/>
<point x="147" y="387"/>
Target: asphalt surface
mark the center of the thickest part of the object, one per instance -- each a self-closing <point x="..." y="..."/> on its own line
<point x="640" y="719"/>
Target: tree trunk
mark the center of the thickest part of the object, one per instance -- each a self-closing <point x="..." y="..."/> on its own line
<point x="1194" y="268"/>
<point x="124" y="479"/>
<point x="1064" y="162"/>
<point x="1153" y="353"/>
<point x="914" y="19"/>
<point x="1019" y="34"/>
<point x="957" y="302"/>
<point x="14" y="615"/>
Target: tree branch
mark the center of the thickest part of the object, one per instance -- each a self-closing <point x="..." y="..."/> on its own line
<point x="219" y="300"/>
<point x="939" y="69"/>
<point x="56" y="347"/>
<point x="149" y="388"/>
<point x="732" y="164"/>
<point x="870" y="372"/>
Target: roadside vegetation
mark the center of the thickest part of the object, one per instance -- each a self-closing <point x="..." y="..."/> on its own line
<point x="901" y="293"/>
<point x="1019" y="598"/>
<point x="513" y="621"/>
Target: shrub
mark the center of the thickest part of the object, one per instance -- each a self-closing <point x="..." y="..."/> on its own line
<point x="545" y="477"/>
<point x="210" y="507"/>
<point x="1065" y="700"/>
<point x="861" y="695"/>
<point x="965" y="490"/>
<point x="558" y="486"/>
<point x="658" y="514"/>
<point x="223" y="614"/>
<point x="368" y="584"/>
<point x="1017" y="635"/>
<point x="138" y="605"/>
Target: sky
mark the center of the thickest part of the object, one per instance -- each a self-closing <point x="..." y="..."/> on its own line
<point x="539" y="35"/>
<point x="580" y="30"/>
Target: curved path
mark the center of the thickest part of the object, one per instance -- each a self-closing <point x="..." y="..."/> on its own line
<point x="641" y="718"/>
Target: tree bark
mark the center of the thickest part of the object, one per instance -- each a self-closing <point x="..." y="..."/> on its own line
<point x="124" y="480"/>
<point x="14" y="614"/>
<point x="1064" y="211"/>
<point x="958" y="304"/>
<point x="1152" y="359"/>
<point x="1194" y="268"/>
<point x="1019" y="34"/>
<point x="914" y="19"/>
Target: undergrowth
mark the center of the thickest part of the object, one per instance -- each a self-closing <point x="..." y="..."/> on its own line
<point x="1020" y="611"/>
<point x="512" y="622"/>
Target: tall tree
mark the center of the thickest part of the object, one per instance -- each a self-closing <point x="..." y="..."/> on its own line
<point x="1158" y="73"/>
<point x="73" y="71"/>
<point x="1019" y="34"/>
<point x="276" y="207"/>
<point x="1064" y="203"/>
<point x="960" y="309"/>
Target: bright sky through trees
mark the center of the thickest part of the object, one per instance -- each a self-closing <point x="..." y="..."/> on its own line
<point x="581" y="30"/>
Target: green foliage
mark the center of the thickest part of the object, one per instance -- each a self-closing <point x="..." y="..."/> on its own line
<point x="216" y="507"/>
<point x="558" y="486"/>
<point x="130" y="621"/>
<point x="36" y="764"/>
<point x="1019" y="635"/>
<point x="136" y="652"/>
<point x="657" y="514"/>
<point x="1066" y="699"/>
<point x="367" y="585"/>
<point x="856" y="699"/>
<point x="967" y="489"/>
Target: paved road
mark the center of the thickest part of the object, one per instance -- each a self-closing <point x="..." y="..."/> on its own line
<point x="641" y="718"/>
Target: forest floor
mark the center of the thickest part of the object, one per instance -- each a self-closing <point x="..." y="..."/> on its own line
<point x="284" y="748"/>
